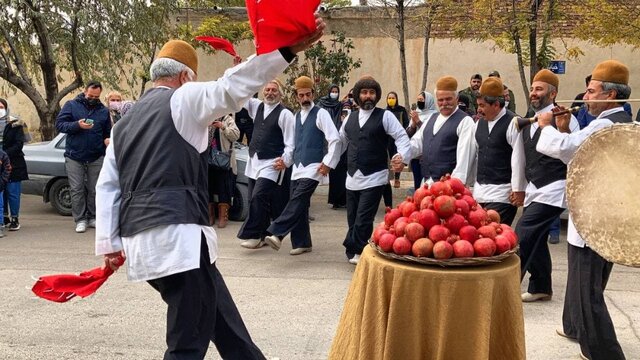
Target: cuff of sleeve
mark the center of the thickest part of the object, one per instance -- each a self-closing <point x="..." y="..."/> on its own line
<point x="287" y="54"/>
<point x="104" y="247"/>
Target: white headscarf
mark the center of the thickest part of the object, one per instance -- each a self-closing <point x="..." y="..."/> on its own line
<point x="429" y="107"/>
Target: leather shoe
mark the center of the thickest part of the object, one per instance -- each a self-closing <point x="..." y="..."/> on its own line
<point x="273" y="241"/>
<point x="298" y="251"/>
<point x="560" y="331"/>
<point x="528" y="297"/>
<point x="253" y="244"/>
<point x="355" y="259"/>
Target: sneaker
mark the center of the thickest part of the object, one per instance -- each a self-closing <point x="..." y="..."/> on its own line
<point x="528" y="297"/>
<point x="355" y="259"/>
<point x="253" y="244"/>
<point x="92" y="223"/>
<point x="81" y="226"/>
<point x="274" y="241"/>
<point x="554" y="239"/>
<point x="14" y="225"/>
<point x="298" y="251"/>
<point x="1" y="231"/>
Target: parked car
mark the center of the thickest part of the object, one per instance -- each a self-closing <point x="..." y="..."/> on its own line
<point x="48" y="177"/>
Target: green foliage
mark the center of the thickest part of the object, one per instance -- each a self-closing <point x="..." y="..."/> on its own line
<point x="607" y="22"/>
<point x="327" y="63"/>
<point x="336" y="3"/>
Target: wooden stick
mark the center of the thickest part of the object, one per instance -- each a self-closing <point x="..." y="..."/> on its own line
<point x="596" y="101"/>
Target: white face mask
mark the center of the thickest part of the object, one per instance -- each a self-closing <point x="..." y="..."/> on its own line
<point x="333" y="95"/>
<point x="506" y="104"/>
<point x="3" y="112"/>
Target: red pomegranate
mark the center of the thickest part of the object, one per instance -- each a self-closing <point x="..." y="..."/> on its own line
<point x="462" y="207"/>
<point x="477" y="217"/>
<point x="455" y="222"/>
<point x="484" y="247"/>
<point x="439" y="233"/>
<point x="487" y="231"/>
<point x="462" y="248"/>
<point x="386" y="242"/>
<point x="407" y="207"/>
<point x="445" y="205"/>
<point x="400" y="225"/>
<point x="470" y="200"/>
<point x="391" y="216"/>
<point x="502" y="244"/>
<point x="457" y="186"/>
<point x="428" y="218"/>
<point x="493" y="215"/>
<point x="469" y="233"/>
<point x="422" y="248"/>
<point x="467" y="192"/>
<point x="426" y="203"/>
<point x="414" y="231"/>
<point x="378" y="232"/>
<point x="421" y="193"/>
<point x="441" y="188"/>
<point x="453" y="238"/>
<point x="442" y="250"/>
<point x="402" y="246"/>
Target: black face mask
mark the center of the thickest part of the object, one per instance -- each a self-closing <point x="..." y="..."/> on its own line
<point x="93" y="102"/>
<point x="420" y="105"/>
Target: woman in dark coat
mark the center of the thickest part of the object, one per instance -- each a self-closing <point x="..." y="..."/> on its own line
<point x="13" y="138"/>
<point x="337" y="176"/>
<point x="401" y="114"/>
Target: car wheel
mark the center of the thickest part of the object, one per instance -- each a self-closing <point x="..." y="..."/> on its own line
<point x="60" y="197"/>
<point x="240" y="204"/>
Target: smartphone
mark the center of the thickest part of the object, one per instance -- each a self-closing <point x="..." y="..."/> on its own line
<point x="88" y="121"/>
<point x="414" y="106"/>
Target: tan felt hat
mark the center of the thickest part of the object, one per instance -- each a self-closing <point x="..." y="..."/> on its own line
<point x="546" y="76"/>
<point x="611" y="71"/>
<point x="303" y="82"/>
<point x="182" y="52"/>
<point x="447" y="83"/>
<point x="492" y="86"/>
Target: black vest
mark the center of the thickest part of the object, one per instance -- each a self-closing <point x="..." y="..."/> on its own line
<point x="494" y="151"/>
<point x="309" y="140"/>
<point x="367" y="149"/>
<point x="163" y="179"/>
<point x="439" y="151"/>
<point x="267" y="139"/>
<point x="619" y="117"/>
<point x="540" y="169"/>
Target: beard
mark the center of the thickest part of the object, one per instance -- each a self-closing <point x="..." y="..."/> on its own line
<point x="368" y="105"/>
<point x="271" y="100"/>
<point x="305" y="104"/>
<point x="540" y="103"/>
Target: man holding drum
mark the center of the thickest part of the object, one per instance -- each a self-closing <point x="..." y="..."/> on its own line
<point x="585" y="316"/>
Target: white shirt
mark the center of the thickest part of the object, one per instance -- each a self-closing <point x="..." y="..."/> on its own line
<point x="484" y="193"/>
<point x="562" y="146"/>
<point x="331" y="158"/>
<point x="263" y="168"/>
<point x="170" y="249"/>
<point x="551" y="194"/>
<point x="394" y="129"/>
<point x="466" y="148"/>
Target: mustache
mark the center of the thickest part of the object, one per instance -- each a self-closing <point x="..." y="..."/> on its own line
<point x="306" y="103"/>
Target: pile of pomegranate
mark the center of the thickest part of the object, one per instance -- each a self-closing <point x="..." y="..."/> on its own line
<point x="442" y="222"/>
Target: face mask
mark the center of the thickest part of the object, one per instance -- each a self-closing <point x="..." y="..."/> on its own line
<point x="114" y="105"/>
<point x="506" y="104"/>
<point x="391" y="102"/>
<point x="3" y="112"/>
<point x="420" y="105"/>
<point x="334" y="96"/>
<point x="93" y="102"/>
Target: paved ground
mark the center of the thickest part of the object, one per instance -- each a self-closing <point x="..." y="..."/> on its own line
<point x="291" y="304"/>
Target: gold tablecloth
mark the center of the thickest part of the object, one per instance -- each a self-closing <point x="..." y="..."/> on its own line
<point x="404" y="311"/>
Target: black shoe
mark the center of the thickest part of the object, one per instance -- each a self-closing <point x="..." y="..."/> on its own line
<point x="14" y="224"/>
<point x="7" y="220"/>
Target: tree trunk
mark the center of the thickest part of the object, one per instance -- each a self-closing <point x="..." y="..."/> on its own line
<point x="403" y="55"/>
<point x="533" y="37"/>
<point x="425" y="54"/>
<point x="47" y="124"/>
<point x="516" y="39"/>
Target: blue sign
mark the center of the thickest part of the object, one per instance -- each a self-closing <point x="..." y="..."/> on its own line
<point x="558" y="66"/>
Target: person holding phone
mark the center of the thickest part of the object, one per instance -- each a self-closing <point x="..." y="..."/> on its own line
<point x="87" y="123"/>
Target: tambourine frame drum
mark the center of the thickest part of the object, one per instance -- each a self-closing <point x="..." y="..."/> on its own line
<point x="603" y="192"/>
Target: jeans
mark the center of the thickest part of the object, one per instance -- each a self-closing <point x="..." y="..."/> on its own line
<point x="2" y="203"/>
<point x="11" y="198"/>
<point x="554" y="230"/>
<point x="83" y="177"/>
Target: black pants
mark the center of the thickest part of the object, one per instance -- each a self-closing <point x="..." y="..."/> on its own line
<point x="585" y="315"/>
<point x="200" y="309"/>
<point x="507" y="211"/>
<point x="265" y="204"/>
<point x="295" y="216"/>
<point x="416" y="169"/>
<point x="337" y="179"/>
<point x="362" y="206"/>
<point x="387" y="196"/>
<point x="533" y="230"/>
<point x="221" y="184"/>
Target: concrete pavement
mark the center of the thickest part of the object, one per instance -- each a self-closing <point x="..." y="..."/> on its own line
<point x="291" y="304"/>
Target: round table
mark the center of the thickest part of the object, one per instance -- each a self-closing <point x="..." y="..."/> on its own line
<point x="399" y="310"/>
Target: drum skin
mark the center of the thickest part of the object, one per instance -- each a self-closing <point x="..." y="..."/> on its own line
<point x="603" y="193"/>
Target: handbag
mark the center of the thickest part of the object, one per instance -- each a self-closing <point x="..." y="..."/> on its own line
<point x="220" y="160"/>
